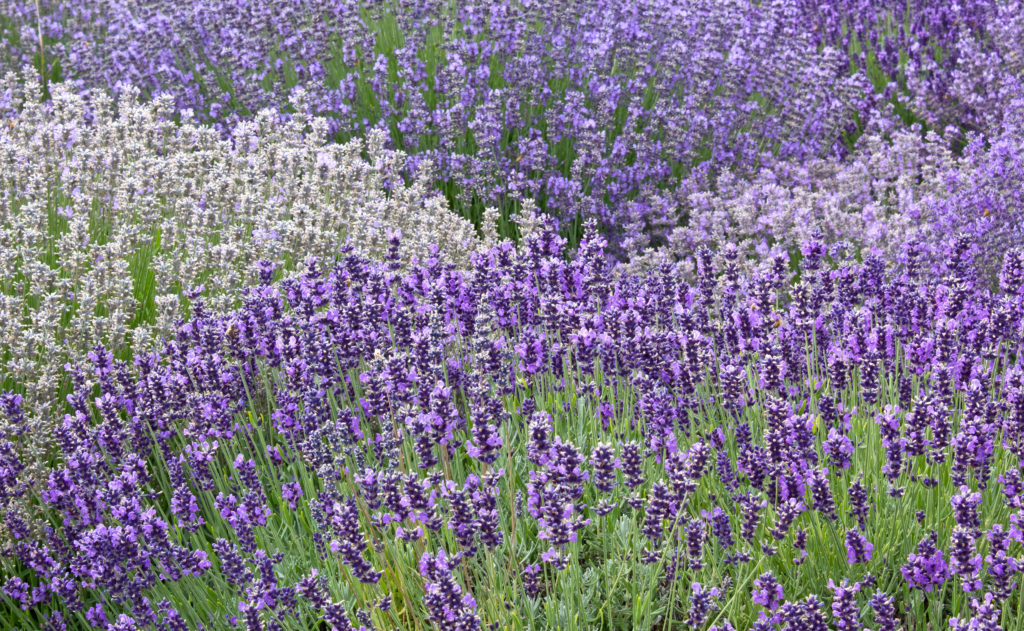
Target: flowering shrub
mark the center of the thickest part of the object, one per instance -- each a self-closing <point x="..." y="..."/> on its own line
<point x="534" y="442"/>
<point x="618" y="111"/>
<point x="111" y="217"/>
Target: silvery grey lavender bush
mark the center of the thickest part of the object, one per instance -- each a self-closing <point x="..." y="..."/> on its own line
<point x="112" y="216"/>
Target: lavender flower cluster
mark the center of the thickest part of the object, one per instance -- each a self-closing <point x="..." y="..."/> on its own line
<point x="537" y="442"/>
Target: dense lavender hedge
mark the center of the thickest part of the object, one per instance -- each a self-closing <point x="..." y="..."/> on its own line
<point x="900" y="187"/>
<point x="536" y="443"/>
<point x="950" y="63"/>
<point x="616" y="111"/>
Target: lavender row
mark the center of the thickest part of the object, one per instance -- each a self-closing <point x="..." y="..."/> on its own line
<point x="951" y="63"/>
<point x="536" y="443"/>
<point x="597" y="109"/>
<point x="616" y="111"/>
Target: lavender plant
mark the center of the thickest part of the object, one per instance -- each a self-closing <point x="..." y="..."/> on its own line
<point x="625" y="116"/>
<point x="253" y="377"/>
<point x="365" y="446"/>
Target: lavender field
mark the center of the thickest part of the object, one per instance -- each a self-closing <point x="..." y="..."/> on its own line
<point x="507" y="315"/>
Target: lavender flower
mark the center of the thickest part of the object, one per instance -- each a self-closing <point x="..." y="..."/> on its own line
<point x="884" y="609"/>
<point x="448" y="606"/>
<point x="531" y="584"/>
<point x="858" y="548"/>
<point x="838" y="448"/>
<point x="701" y="604"/>
<point x="845" y="613"/>
<point x="965" y="508"/>
<point x="963" y="561"/>
<point x="604" y="463"/>
<point x="821" y="493"/>
<point x="768" y="592"/>
<point x="926" y="568"/>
